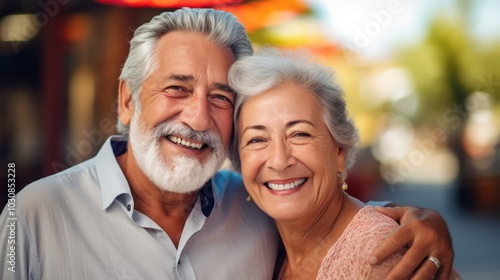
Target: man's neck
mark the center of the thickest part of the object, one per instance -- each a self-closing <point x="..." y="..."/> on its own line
<point x="167" y="209"/>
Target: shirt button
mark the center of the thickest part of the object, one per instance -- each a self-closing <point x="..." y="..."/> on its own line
<point x="129" y="207"/>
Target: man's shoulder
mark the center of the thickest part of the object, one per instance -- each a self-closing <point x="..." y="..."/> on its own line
<point x="74" y="182"/>
<point x="228" y="178"/>
<point x="55" y="188"/>
<point x="227" y="183"/>
<point x="83" y="169"/>
<point x="231" y="200"/>
<point x="229" y="189"/>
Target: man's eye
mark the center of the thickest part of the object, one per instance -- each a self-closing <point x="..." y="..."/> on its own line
<point x="176" y="91"/>
<point x="175" y="88"/>
<point x="222" y="97"/>
<point x="222" y="101"/>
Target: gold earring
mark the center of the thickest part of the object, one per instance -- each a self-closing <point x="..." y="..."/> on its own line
<point x="343" y="183"/>
<point x="249" y="198"/>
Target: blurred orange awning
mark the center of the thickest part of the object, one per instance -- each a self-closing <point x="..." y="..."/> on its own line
<point x="169" y="3"/>
<point x="255" y="15"/>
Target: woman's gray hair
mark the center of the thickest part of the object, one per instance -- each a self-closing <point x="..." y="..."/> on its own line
<point x="221" y="28"/>
<point x="270" y="68"/>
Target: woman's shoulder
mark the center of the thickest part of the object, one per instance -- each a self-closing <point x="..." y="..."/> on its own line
<point x="367" y="230"/>
<point x="348" y="256"/>
<point x="370" y="220"/>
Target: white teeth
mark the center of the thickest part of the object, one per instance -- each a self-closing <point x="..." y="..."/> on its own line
<point x="184" y="142"/>
<point x="288" y="186"/>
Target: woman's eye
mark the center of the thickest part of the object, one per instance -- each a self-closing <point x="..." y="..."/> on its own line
<point x="302" y="134"/>
<point x="254" y="141"/>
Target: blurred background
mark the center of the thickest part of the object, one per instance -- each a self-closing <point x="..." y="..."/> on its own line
<point x="422" y="82"/>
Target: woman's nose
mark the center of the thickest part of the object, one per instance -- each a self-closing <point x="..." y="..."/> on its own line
<point x="280" y="155"/>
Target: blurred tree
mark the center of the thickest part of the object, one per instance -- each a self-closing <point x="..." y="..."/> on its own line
<point x="437" y="65"/>
<point x="448" y="65"/>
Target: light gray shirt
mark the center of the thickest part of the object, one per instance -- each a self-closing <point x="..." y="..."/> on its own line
<point x="81" y="224"/>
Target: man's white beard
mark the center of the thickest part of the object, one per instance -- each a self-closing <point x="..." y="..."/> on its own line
<point x="174" y="173"/>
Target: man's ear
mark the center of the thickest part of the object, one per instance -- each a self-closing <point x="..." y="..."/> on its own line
<point x="125" y="104"/>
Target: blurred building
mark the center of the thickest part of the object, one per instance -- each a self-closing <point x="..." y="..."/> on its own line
<point x="60" y="60"/>
<point x="428" y="108"/>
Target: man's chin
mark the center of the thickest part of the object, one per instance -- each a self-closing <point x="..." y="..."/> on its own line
<point x="184" y="175"/>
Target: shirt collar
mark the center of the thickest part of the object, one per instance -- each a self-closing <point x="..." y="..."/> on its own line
<point x="114" y="185"/>
<point x="207" y="198"/>
<point x="111" y="178"/>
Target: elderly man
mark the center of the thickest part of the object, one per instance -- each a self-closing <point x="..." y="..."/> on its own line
<point x="152" y="203"/>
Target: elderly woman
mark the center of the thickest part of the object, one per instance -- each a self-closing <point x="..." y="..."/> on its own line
<point x="295" y="143"/>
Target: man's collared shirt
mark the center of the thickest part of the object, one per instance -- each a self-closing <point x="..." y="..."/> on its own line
<point x="81" y="224"/>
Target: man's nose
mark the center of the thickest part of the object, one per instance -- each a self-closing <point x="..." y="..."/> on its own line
<point x="196" y="113"/>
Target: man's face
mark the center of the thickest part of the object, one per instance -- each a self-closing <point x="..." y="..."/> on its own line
<point x="185" y="122"/>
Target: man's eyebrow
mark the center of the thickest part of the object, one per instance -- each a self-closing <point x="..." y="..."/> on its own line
<point x="182" y="78"/>
<point x="188" y="78"/>
<point x="225" y="88"/>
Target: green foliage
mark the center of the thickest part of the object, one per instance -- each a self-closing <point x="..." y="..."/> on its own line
<point x="448" y="65"/>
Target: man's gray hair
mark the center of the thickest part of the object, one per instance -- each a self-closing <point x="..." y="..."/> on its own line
<point x="221" y="28"/>
<point x="270" y="68"/>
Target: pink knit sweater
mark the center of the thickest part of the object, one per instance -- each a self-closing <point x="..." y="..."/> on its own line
<point x="347" y="259"/>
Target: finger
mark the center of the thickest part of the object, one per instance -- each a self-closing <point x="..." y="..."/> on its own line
<point x="406" y="267"/>
<point x="444" y="272"/>
<point x="398" y="239"/>
<point x="427" y="270"/>
<point x="395" y="213"/>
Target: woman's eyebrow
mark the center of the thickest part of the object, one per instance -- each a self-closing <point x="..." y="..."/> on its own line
<point x="288" y="125"/>
<point x="256" y="127"/>
<point x="292" y="123"/>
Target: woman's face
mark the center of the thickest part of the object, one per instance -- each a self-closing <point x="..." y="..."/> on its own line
<point x="289" y="160"/>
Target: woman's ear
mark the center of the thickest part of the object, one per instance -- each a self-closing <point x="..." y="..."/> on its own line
<point x="125" y="105"/>
<point x="341" y="160"/>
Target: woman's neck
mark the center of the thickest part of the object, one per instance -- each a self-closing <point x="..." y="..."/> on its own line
<point x="308" y="241"/>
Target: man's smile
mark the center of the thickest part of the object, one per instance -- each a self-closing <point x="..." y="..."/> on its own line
<point x="186" y="143"/>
